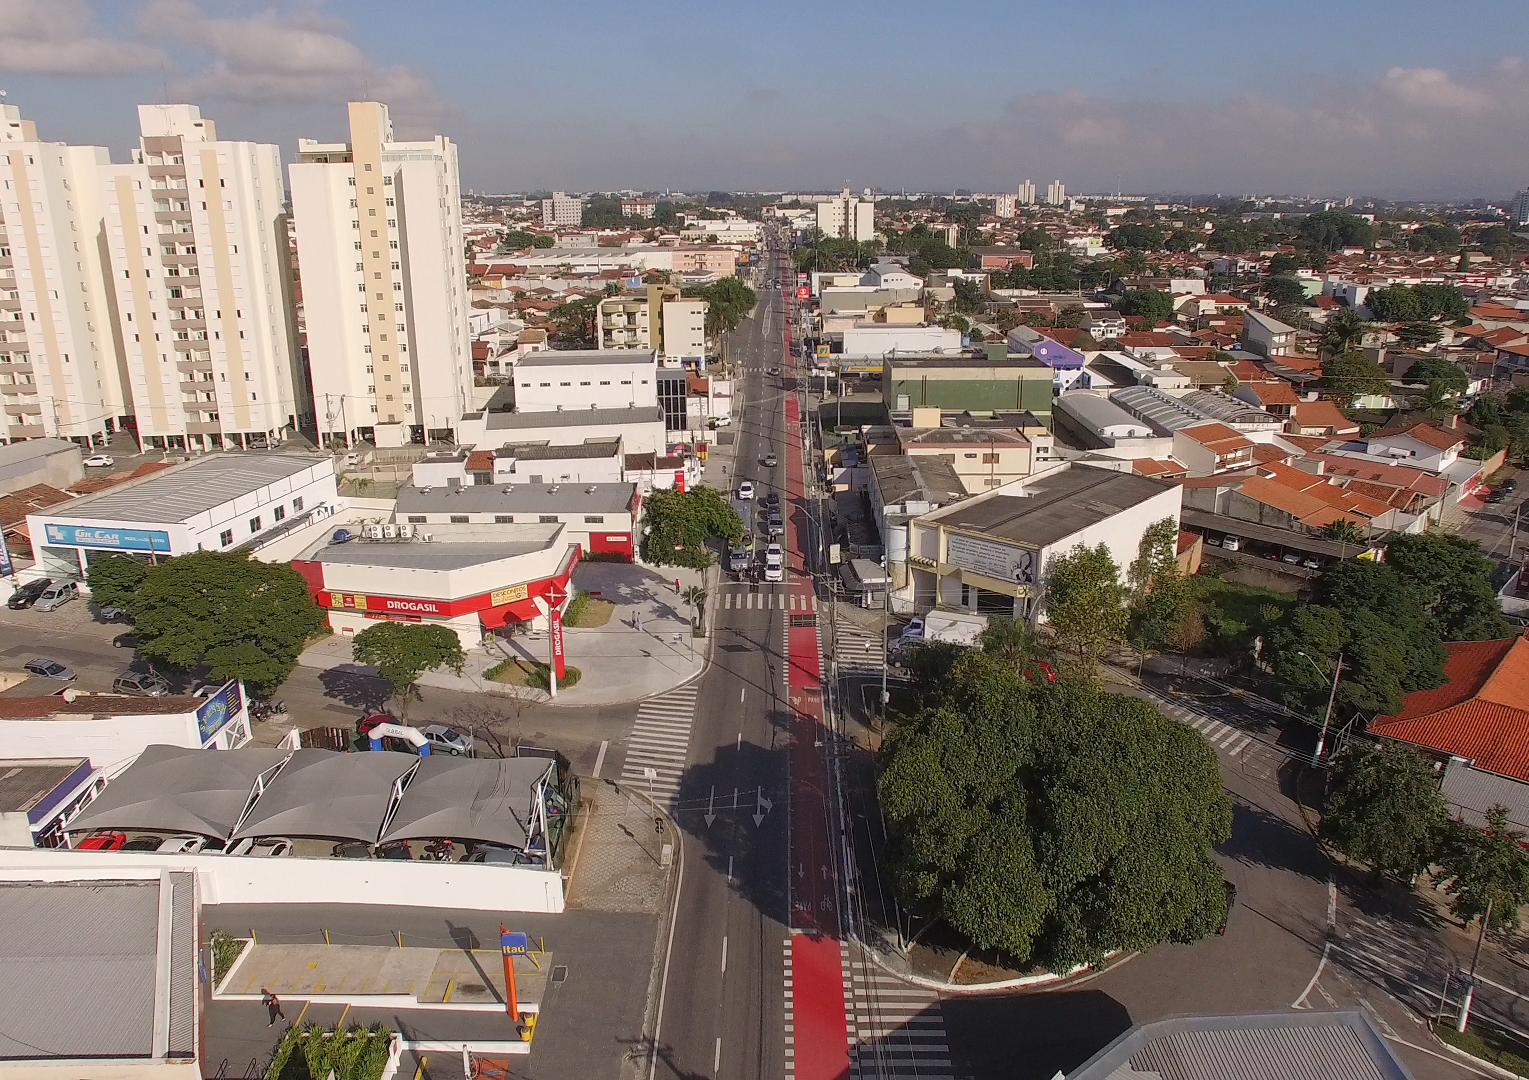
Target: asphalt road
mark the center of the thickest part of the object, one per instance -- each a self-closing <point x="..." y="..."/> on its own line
<point x="1492" y="525"/>
<point x="723" y="997"/>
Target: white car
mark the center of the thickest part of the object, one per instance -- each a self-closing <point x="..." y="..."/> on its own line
<point x="774" y="564"/>
<point x="746" y="489"/>
<point x="99" y="461"/>
<point x="183" y="845"/>
<point x="914" y="631"/>
<point x="266" y="846"/>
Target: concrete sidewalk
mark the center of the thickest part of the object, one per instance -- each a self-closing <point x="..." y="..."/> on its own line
<point x="645" y="648"/>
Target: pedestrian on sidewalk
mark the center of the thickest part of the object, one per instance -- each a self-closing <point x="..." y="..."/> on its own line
<point x="272" y="1006"/>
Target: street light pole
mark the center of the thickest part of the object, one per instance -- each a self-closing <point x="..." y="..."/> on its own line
<point x="1332" y="698"/>
<point x="1470" y="982"/>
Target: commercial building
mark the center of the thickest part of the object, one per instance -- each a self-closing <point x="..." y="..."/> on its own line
<point x="991" y="553"/>
<point x="379" y="240"/>
<point x="53" y="462"/>
<point x="62" y="371"/>
<point x="600" y="517"/>
<point x="214" y="503"/>
<point x="38" y="795"/>
<point x="571" y="397"/>
<point x="99" y="973"/>
<point x="845" y="217"/>
<point x="113" y="729"/>
<point x="983" y="454"/>
<point x="966" y="384"/>
<point x="565" y="211"/>
<point x="472" y="579"/>
<point x="196" y="228"/>
<point x="904" y="487"/>
<point x="879" y="339"/>
<point x="598" y="462"/>
<point x="1096" y="423"/>
<point x="570" y="380"/>
<point x="658" y="320"/>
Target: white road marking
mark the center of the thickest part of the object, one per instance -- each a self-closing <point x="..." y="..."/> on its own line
<point x="600" y="759"/>
<point x="716" y="1058"/>
<point x="1332" y="922"/>
<point x="724" y="954"/>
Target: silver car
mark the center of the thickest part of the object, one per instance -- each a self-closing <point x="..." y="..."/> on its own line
<point x="140" y="682"/>
<point x="49" y="669"/>
<point x="57" y="595"/>
<point x="448" y="739"/>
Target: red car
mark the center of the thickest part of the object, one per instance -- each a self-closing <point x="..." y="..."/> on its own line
<point x="366" y="723"/>
<point x="102" y="841"/>
<point x="1045" y="669"/>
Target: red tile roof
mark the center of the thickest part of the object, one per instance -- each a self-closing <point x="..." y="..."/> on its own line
<point x="1498" y="311"/>
<point x="1323" y="414"/>
<point x="480" y="461"/>
<point x="1157" y="467"/>
<point x="1481" y="712"/>
<point x="1274" y="392"/>
<point x="1428" y="435"/>
<point x="15" y="506"/>
<point x="1216" y="437"/>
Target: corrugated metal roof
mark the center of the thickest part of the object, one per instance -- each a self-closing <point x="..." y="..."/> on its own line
<point x="181" y="493"/>
<point x="1163" y="413"/>
<point x="184" y="997"/>
<point x="1472" y="792"/>
<point x="77" y="969"/>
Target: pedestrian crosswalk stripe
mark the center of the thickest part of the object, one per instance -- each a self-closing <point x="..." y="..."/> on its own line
<point x="660" y="740"/>
<point x="896" y="1031"/>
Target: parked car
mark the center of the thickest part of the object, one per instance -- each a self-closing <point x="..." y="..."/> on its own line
<point x="1291" y="557"/>
<point x="1232" y="543"/>
<point x="128" y="640"/>
<point x="57" y="595"/>
<point x="342" y="536"/>
<point x="352" y="849"/>
<point x="1310" y="563"/>
<point x="114" y="614"/>
<point x="26" y="595"/>
<point x="143" y="843"/>
<point x="49" y="669"/>
<point x="719" y="422"/>
<point x="189" y="845"/>
<point x="448" y="739"/>
<point x="1510" y="484"/>
<point x="1497" y="496"/>
<point x="102" y="841"/>
<point x="501" y="855"/>
<point x="265" y="846"/>
<point x="746" y="489"/>
<point x="914" y="631"/>
<point x="99" y="461"/>
<point x="393" y="849"/>
<point x="772" y="500"/>
<point x="140" y="682"/>
<point x="366" y="723"/>
<point x="770" y="461"/>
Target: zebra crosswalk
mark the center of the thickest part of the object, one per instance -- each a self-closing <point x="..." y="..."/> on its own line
<point x="660" y="741"/>
<point x="768" y="601"/>
<point x="1254" y="756"/>
<point x="896" y="1031"/>
<point x="857" y="649"/>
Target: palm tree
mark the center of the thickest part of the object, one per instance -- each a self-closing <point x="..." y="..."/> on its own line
<point x="1344" y="329"/>
<point x="695" y="596"/>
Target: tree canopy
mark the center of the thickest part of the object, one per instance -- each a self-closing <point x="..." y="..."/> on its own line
<point x="1135" y="238"/>
<point x="242" y="618"/>
<point x="1436" y="371"/>
<point x="1411" y="303"/>
<point x="728" y="300"/>
<point x="114" y="579"/>
<point x="1384" y="808"/>
<point x="1485" y="866"/>
<point x="679" y="524"/>
<point x="402" y="652"/>
<point x="1153" y="305"/>
<point x="1333" y="229"/>
<point x="1352" y="375"/>
<point x="1285" y="290"/>
<point x="1086" y="603"/>
<point x="1053" y="821"/>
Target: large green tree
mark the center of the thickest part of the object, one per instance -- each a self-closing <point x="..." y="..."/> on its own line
<point x="114" y="579"/>
<point x="1452" y="578"/>
<point x="1159" y="596"/>
<point x="402" y="652"/>
<point x="1054" y="822"/>
<point x="1352" y="375"/>
<point x="1343" y="330"/>
<point x="1333" y="229"/>
<point x="1152" y="305"/>
<point x="1486" y="866"/>
<point x="1086" y="603"/>
<point x="1285" y="291"/>
<point x="242" y="618"/>
<point x="1384" y="808"/>
<point x="679" y="524"/>
<point x="728" y="301"/>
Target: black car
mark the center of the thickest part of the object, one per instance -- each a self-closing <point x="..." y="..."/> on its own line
<point x="128" y="640"/>
<point x="772" y="501"/>
<point x="27" y="595"/>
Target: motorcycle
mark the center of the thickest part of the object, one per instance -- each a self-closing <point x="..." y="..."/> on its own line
<point x="439" y="850"/>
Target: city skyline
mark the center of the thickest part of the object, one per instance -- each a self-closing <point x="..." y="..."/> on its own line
<point x="1296" y="109"/>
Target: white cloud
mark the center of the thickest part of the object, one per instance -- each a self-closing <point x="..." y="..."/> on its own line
<point x="57" y="37"/>
<point x="274" y="57"/>
<point x="1432" y="88"/>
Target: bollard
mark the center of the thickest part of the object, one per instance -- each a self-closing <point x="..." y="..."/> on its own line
<point x="400" y="937"/>
<point x="252" y="937"/>
<point x="326" y="937"/>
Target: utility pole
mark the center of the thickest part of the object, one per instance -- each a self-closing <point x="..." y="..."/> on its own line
<point x="1327" y="716"/>
<point x="1470" y="980"/>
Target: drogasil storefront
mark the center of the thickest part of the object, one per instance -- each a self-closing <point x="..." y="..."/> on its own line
<point x="473" y="588"/>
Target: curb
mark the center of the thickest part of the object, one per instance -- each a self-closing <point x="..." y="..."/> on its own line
<point x="1024" y="982"/>
<point x="1491" y="1067"/>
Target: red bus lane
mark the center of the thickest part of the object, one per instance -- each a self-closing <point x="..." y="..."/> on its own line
<point x="819" y="1036"/>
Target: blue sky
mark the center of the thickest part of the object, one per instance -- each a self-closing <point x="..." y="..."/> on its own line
<point x="1399" y="98"/>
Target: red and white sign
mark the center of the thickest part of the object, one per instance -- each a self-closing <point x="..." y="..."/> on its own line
<point x="557" y="642"/>
<point x="803" y="292"/>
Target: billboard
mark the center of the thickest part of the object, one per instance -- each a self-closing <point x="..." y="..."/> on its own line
<point x="213" y="715"/>
<point x="89" y="536"/>
<point x="803" y="292"/>
<point x="990" y="559"/>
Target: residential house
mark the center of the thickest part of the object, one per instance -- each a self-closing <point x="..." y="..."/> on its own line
<point x="1266" y="335"/>
<point x="1321" y="417"/>
<point x="1208" y="449"/>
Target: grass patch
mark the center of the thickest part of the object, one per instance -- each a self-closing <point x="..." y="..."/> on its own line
<point x="1237" y="613"/>
<point x="517" y="671"/>
<point x="1489" y="1045"/>
<point x="309" y="1053"/>
<point x="584" y="611"/>
<point x="225" y="950"/>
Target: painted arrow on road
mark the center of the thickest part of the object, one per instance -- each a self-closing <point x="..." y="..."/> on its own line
<point x="709" y="816"/>
<point x="762" y="806"/>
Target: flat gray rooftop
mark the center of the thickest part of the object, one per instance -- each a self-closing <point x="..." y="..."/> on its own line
<point x="23" y="783"/>
<point x="585" y="358"/>
<point x="532" y="421"/>
<point x="416" y="555"/>
<point x="528" y="499"/>
<point x="32" y="449"/>
<point x="1059" y="502"/>
<point x="184" y="491"/>
<point x="78" y="969"/>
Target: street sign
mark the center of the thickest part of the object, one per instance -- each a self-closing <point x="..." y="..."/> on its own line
<point x="822" y="350"/>
<point x="515" y="943"/>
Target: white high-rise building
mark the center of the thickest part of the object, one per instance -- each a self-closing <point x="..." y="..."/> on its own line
<point x="196" y="228"/>
<point x="564" y="210"/>
<point x="844" y="216"/>
<point x="1056" y="193"/>
<point x="61" y="370"/>
<point x="1520" y="211"/>
<point x="1003" y="206"/>
<point x="1026" y="194"/>
<point x="380" y="249"/>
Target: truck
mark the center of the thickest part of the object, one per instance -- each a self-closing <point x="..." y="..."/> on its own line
<point x="951" y="627"/>
<point x="738" y="558"/>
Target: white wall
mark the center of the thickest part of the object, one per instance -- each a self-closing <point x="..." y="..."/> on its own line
<point x="543" y="387"/>
<point x="1121" y="533"/>
<point x="879" y="340"/>
<point x="112" y="742"/>
<point x="245" y="879"/>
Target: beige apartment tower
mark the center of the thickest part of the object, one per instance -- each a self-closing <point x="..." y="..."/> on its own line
<point x="200" y="263"/>
<point x="61" y="366"/>
<point x="384" y="277"/>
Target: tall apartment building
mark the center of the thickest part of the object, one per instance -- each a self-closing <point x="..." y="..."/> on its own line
<point x="639" y="208"/>
<point x="1056" y="193"/>
<point x="1520" y="210"/>
<point x="196" y="228"/>
<point x="658" y="320"/>
<point x="379" y="241"/>
<point x="844" y="216"/>
<point x="563" y="210"/>
<point x="1003" y="205"/>
<point x="61" y="366"/>
<point x="1026" y="194"/>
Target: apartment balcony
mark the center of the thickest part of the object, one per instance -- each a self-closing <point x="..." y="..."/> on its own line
<point x="203" y="427"/>
<point x="196" y="386"/>
<point x="12" y="389"/>
<point x="23" y="408"/>
<point x="186" y="365"/>
<point x="189" y="325"/>
<point x="25" y="431"/>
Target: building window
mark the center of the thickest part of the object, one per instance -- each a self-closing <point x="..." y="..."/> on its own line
<point x="225" y="537"/>
<point x="297" y="505"/>
<point x="255" y="524"/>
<point x="594" y="519"/>
<point x="548" y="519"/>
<point x="459" y="519"/>
<point x="416" y="519"/>
<point x="990" y="459"/>
<point x="279" y="513"/>
<point x="504" y="519"/>
<point x="482" y="477"/>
